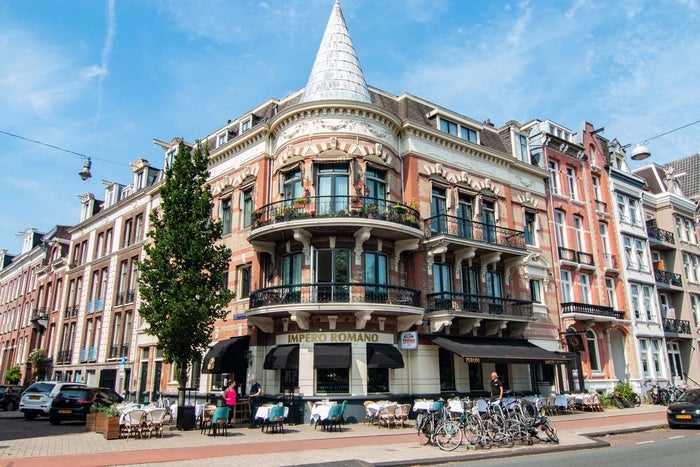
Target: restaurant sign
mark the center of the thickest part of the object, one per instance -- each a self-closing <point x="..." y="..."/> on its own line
<point x="332" y="337"/>
<point x="409" y="340"/>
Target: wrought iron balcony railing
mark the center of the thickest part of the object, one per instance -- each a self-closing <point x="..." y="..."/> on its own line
<point x="584" y="258"/>
<point x="119" y="350"/>
<point x="339" y="206"/>
<point x="457" y="227"/>
<point x="590" y="309"/>
<point x="566" y="254"/>
<point x="71" y="311"/>
<point x="661" y="235"/>
<point x="329" y="292"/>
<point x="678" y="326"/>
<point x="63" y="356"/>
<point x="668" y="277"/>
<point x="483" y="304"/>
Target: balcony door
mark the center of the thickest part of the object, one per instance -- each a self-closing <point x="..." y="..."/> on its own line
<point x="332" y="188"/>
<point x="488" y="218"/>
<point x="442" y="286"/>
<point x="464" y="216"/>
<point x="333" y="275"/>
<point x="494" y="291"/>
<point x="291" y="276"/>
<point x="438" y="211"/>
<point x="376" y="277"/>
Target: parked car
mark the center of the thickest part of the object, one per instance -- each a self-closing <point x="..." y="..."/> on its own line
<point x="9" y="396"/>
<point x="685" y="411"/>
<point x="73" y="402"/>
<point x="36" y="399"/>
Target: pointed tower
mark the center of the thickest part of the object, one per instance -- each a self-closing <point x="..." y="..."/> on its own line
<point x="336" y="73"/>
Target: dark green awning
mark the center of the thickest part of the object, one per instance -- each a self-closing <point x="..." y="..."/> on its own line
<point x="496" y="349"/>
<point x="383" y="356"/>
<point x="282" y="357"/>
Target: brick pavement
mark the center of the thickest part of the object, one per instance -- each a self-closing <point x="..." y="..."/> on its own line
<point x="357" y="444"/>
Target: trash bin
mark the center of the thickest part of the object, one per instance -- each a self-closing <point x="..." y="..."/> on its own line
<point x="186" y="419"/>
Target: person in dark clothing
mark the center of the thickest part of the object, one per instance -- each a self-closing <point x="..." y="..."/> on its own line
<point x="496" y="387"/>
<point x="255" y="397"/>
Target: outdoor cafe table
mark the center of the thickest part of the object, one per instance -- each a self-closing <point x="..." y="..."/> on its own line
<point x="419" y="406"/>
<point x="320" y="410"/>
<point x="263" y="412"/>
<point x="374" y="408"/>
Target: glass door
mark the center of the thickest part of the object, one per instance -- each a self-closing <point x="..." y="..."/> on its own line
<point x="332" y="188"/>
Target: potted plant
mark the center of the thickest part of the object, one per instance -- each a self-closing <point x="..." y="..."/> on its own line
<point x="111" y="427"/>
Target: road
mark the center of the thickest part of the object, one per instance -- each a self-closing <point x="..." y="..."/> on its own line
<point x="678" y="448"/>
<point x="18" y="428"/>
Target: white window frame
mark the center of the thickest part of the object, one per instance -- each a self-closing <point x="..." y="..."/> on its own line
<point x="566" y="294"/>
<point x="571" y="182"/>
<point x="584" y="287"/>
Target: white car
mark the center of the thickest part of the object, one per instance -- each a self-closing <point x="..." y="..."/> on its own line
<point x="36" y="399"/>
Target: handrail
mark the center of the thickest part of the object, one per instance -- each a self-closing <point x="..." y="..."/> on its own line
<point x="452" y="226"/>
<point x="474" y="303"/>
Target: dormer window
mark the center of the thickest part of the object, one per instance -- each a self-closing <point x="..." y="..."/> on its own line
<point x="169" y="159"/>
<point x="221" y="139"/>
<point x="520" y="147"/>
<point x="455" y="129"/>
<point x="246" y="124"/>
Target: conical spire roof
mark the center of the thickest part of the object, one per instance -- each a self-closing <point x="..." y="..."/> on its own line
<point x="336" y="73"/>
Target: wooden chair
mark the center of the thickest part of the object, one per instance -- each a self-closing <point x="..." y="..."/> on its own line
<point x="370" y="415"/>
<point x="133" y="423"/>
<point x="154" y="422"/>
<point x="402" y="413"/>
<point x="205" y="420"/>
<point x="387" y="416"/>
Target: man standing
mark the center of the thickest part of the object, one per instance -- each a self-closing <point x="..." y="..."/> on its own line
<point x="255" y="395"/>
<point x="496" y="387"/>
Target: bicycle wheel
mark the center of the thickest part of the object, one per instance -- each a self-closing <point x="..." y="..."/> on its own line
<point x="472" y="429"/>
<point x="550" y="430"/>
<point x="635" y="400"/>
<point x="448" y="436"/>
<point x="425" y="429"/>
<point x="617" y="401"/>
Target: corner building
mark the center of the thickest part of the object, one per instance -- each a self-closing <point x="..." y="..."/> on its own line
<point x="382" y="246"/>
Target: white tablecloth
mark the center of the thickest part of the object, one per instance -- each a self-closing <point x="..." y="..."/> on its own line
<point x="320" y="410"/>
<point x="422" y="405"/>
<point x="263" y="412"/>
<point x="375" y="407"/>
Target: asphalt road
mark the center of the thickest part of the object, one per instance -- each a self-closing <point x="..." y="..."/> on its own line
<point x="17" y="428"/>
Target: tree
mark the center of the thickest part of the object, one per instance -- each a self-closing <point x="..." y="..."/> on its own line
<point x="182" y="277"/>
<point x="13" y="375"/>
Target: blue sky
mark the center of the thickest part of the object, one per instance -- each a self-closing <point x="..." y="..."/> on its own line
<point x="104" y="78"/>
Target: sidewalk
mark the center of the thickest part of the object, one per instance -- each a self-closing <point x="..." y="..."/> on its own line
<point x="356" y="445"/>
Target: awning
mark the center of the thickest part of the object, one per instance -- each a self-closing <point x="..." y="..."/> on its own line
<point x="226" y="356"/>
<point x="332" y="356"/>
<point x="496" y="350"/>
<point x="383" y="356"/>
<point x="282" y="357"/>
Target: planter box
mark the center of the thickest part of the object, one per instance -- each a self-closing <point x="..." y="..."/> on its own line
<point x="90" y="421"/>
<point x="100" y="421"/>
<point x="112" y="428"/>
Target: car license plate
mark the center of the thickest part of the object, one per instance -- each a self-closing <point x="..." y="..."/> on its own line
<point x="683" y="417"/>
<point x="65" y="411"/>
<point x="34" y="398"/>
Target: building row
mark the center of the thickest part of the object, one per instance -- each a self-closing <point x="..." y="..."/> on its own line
<point x="384" y="246"/>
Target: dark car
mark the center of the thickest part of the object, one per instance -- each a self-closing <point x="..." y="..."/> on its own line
<point x="9" y="396"/>
<point x="685" y="411"/>
<point x="74" y="402"/>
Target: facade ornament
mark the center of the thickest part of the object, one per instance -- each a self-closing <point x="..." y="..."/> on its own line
<point x="362" y="318"/>
<point x="303" y="236"/>
<point x="301" y="318"/>
<point x="361" y="236"/>
<point x="400" y="246"/>
<point x="404" y="323"/>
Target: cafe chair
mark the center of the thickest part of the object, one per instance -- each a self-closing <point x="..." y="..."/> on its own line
<point x="205" y="418"/>
<point x="276" y="420"/>
<point x="219" y="421"/>
<point x="387" y="416"/>
<point x="335" y="415"/>
<point x="133" y="423"/>
<point x="370" y="414"/>
<point x="154" y="422"/>
<point x="401" y="414"/>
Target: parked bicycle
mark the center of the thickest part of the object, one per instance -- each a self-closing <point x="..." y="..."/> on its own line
<point x="624" y="397"/>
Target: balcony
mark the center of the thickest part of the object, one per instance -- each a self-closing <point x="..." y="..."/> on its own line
<point x="659" y="237"/>
<point x="130" y="294"/>
<point x="64" y="356"/>
<point x="118" y="351"/>
<point x="581" y="258"/>
<point x="611" y="262"/>
<point x="601" y="207"/>
<point x="667" y="278"/>
<point x="121" y="296"/>
<point x="459" y="234"/>
<point x="342" y="214"/>
<point x="71" y="311"/>
<point x="589" y="312"/>
<point x="677" y="326"/>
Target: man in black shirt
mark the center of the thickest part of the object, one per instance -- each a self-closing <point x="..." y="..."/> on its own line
<point x="496" y="387"/>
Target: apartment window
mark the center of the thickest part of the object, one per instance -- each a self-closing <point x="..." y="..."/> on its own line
<point x="595" y="180"/>
<point x="521" y="151"/>
<point x="634" y="211"/>
<point x="629" y="259"/>
<point x="376" y="277"/>
<point x="246" y="124"/>
<point x="221" y="139"/>
<point x="438" y="210"/>
<point x="247" y="206"/>
<point x="448" y="126"/>
<point x="375" y="182"/>
<point x="593" y="356"/>
<point x="656" y="358"/>
<point x="584" y="287"/>
<point x="566" y="286"/>
<point x="529" y="227"/>
<point x="554" y="177"/>
<point x="244" y="281"/>
<point x="139" y="227"/>
<point x="695" y="307"/>
<point x="640" y="253"/>
<point x="636" y="305"/>
<point x="465" y="213"/>
<point x="170" y="159"/>
<point x="535" y="291"/>
<point x="610" y="290"/>
<point x="108" y="242"/>
<point x="560" y="228"/>
<point x="571" y="182"/>
<point x="292" y="185"/>
<point x="468" y="134"/>
<point x="686" y="266"/>
<point x="605" y="242"/>
<point x="99" y="245"/>
<point x="578" y="233"/>
<point x="621" y="208"/>
<point x="126" y="237"/>
<point x="226" y="216"/>
<point x="649" y="313"/>
<point x="332" y="187"/>
<point x="442" y="286"/>
<point x="291" y="269"/>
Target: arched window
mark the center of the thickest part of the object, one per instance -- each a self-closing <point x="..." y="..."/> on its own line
<point x="593" y="356"/>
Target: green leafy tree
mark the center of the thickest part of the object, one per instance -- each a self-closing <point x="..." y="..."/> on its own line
<point x="181" y="282"/>
<point x="13" y="375"/>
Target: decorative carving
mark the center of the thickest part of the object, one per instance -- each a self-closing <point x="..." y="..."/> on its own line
<point x="406" y="322"/>
<point x="438" y="249"/>
<point x="361" y="236"/>
<point x="301" y="318"/>
<point x="303" y="236"/>
<point x="263" y="323"/>
<point x="400" y="246"/>
<point x="362" y="318"/>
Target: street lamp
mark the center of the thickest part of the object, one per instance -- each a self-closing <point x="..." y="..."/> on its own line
<point x="640" y="152"/>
